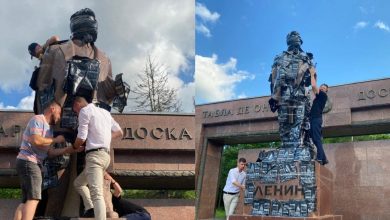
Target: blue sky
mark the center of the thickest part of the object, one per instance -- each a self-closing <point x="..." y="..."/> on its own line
<point x="236" y="42"/>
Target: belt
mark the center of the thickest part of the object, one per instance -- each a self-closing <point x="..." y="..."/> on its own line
<point x="231" y="193"/>
<point x="98" y="149"/>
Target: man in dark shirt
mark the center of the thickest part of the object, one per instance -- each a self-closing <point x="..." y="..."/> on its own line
<point x="316" y="116"/>
<point x="129" y="210"/>
<point x="124" y="207"/>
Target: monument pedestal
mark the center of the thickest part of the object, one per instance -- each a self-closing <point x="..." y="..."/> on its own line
<point x="324" y="180"/>
<point x="326" y="217"/>
<point x="280" y="192"/>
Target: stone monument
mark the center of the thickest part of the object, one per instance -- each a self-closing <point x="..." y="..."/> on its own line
<point x="352" y="184"/>
<point x="283" y="182"/>
<point x="71" y="68"/>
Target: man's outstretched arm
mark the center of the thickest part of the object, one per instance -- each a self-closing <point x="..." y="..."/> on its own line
<point x="313" y="80"/>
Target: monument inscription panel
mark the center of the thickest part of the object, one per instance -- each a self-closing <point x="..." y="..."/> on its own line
<point x="282" y="184"/>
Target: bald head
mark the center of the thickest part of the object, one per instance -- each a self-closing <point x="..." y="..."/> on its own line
<point x="79" y="103"/>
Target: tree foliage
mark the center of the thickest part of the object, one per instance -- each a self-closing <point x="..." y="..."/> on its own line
<point x="10" y="193"/>
<point x="370" y="137"/>
<point x="152" y="91"/>
<point x="158" y="194"/>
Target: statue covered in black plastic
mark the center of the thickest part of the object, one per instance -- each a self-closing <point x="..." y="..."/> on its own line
<point x="75" y="67"/>
<point x="290" y="79"/>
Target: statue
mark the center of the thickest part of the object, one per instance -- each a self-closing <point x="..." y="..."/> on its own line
<point x="71" y="68"/>
<point x="290" y="79"/>
<point x="291" y="163"/>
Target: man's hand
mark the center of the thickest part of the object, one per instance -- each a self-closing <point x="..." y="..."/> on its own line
<point x="116" y="134"/>
<point x="312" y="71"/>
<point x="69" y="150"/>
<point x="77" y="150"/>
<point x="78" y="144"/>
<point x="59" y="139"/>
<point x="313" y="80"/>
<point x="273" y="104"/>
<point x="54" y="152"/>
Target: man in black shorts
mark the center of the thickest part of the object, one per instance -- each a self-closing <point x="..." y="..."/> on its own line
<point x="37" y="144"/>
<point x="316" y="116"/>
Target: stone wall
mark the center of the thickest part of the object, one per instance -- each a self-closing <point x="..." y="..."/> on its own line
<point x="159" y="209"/>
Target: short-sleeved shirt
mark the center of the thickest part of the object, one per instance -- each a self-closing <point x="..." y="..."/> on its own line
<point x="95" y="126"/>
<point x="318" y="105"/>
<point x="38" y="126"/>
<point x="234" y="176"/>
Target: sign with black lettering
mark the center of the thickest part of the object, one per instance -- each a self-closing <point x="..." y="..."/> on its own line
<point x="157" y="133"/>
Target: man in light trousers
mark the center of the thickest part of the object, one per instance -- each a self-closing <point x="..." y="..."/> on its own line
<point x="234" y="183"/>
<point x="96" y="128"/>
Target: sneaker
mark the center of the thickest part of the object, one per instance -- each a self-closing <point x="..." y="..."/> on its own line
<point x="89" y="213"/>
<point x="323" y="162"/>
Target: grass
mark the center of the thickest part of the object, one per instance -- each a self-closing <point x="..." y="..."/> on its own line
<point x="9" y="193"/>
<point x="220" y="212"/>
<point x="158" y="194"/>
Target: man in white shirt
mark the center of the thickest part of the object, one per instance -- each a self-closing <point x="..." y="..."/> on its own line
<point x="234" y="183"/>
<point x="96" y="128"/>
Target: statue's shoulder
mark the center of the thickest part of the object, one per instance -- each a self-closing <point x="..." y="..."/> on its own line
<point x="278" y="60"/>
<point x="54" y="47"/>
<point x="66" y="48"/>
<point x="59" y="43"/>
<point x="280" y="56"/>
<point x="307" y="57"/>
<point x="101" y="55"/>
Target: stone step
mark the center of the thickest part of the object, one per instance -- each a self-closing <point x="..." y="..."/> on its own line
<point x="74" y="218"/>
<point x="94" y="219"/>
<point x="246" y="217"/>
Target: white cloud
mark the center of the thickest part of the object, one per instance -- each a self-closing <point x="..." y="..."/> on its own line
<point x="2" y="106"/>
<point x="360" y="25"/>
<point x="187" y="95"/>
<point x="128" y="31"/>
<point x="205" y="16"/>
<point x="242" y="96"/>
<point x="381" y="25"/>
<point x="216" y="82"/>
<point x="204" y="30"/>
<point x="26" y="103"/>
